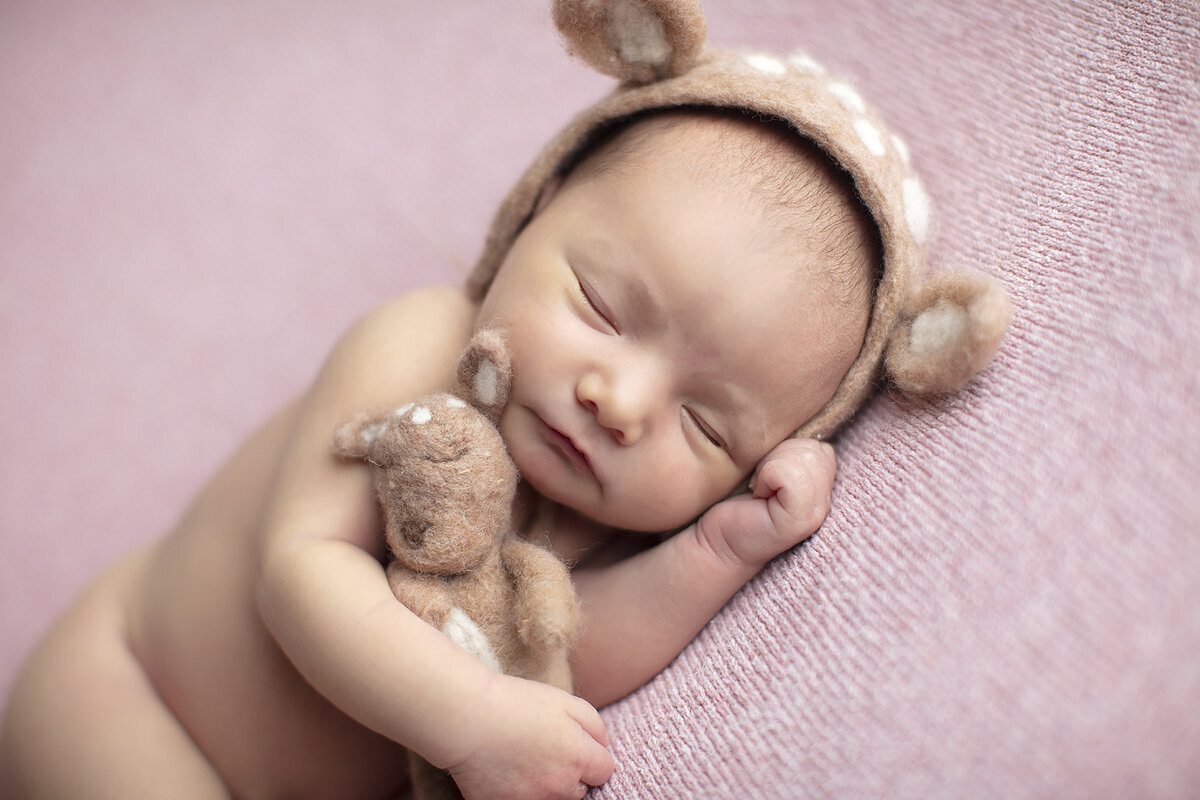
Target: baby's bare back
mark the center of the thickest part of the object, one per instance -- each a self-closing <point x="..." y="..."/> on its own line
<point x="196" y="631"/>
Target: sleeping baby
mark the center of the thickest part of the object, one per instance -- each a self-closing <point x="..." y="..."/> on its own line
<point x="700" y="280"/>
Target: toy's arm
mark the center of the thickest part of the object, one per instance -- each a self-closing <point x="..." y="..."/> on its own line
<point x="547" y="608"/>
<point x="641" y="612"/>
<point x="325" y="597"/>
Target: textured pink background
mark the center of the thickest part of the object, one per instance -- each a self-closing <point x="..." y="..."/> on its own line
<point x="195" y="198"/>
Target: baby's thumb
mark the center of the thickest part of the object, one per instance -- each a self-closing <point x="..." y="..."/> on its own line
<point x="740" y="517"/>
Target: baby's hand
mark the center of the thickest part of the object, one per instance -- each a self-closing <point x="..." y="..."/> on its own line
<point x="788" y="501"/>
<point x="532" y="741"/>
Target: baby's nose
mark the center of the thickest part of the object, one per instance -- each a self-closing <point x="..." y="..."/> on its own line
<point x="621" y="404"/>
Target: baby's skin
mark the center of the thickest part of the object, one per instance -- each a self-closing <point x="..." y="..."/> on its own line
<point x="654" y="316"/>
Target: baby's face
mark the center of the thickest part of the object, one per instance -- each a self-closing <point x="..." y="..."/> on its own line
<point x="665" y="337"/>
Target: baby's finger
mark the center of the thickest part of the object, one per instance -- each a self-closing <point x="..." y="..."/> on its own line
<point x="797" y="484"/>
<point x="589" y="719"/>
<point x="816" y="458"/>
<point x="793" y="491"/>
<point x="598" y="767"/>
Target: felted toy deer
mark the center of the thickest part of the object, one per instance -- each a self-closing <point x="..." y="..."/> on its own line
<point x="446" y="485"/>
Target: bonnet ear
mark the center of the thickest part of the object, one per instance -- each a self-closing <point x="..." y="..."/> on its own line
<point x="632" y="40"/>
<point x="485" y="373"/>
<point x="949" y="329"/>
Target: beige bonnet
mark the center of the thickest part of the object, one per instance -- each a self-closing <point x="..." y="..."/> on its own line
<point x="930" y="334"/>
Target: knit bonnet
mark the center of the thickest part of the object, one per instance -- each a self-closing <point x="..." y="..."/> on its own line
<point x="928" y="333"/>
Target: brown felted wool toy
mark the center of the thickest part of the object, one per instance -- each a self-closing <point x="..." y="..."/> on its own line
<point x="926" y="334"/>
<point x="446" y="485"/>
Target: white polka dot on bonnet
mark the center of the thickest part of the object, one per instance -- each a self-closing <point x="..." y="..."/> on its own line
<point x="930" y="335"/>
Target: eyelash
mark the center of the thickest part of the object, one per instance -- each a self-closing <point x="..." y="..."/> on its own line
<point x="704" y="429"/>
<point x="592" y="304"/>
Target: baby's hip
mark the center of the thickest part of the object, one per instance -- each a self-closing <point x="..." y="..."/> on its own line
<point x="214" y="670"/>
<point x="199" y="638"/>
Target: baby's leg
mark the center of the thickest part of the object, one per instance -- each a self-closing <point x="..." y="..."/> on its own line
<point x="84" y="721"/>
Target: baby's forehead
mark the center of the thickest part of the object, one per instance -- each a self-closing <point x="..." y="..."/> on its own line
<point x="816" y="227"/>
<point x="748" y="158"/>
<point x="708" y="143"/>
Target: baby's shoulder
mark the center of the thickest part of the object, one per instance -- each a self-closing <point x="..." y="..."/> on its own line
<point x="406" y="346"/>
<point x="431" y="313"/>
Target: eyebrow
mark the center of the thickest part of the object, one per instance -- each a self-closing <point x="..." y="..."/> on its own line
<point x="641" y="302"/>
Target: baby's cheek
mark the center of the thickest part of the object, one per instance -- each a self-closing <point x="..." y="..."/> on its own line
<point x="676" y="491"/>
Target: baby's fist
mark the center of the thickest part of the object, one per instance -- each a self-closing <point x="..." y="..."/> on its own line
<point x="788" y="501"/>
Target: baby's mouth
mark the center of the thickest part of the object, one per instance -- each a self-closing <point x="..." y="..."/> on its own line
<point x="576" y="457"/>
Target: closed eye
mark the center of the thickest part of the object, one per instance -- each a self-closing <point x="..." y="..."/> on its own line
<point x="596" y="304"/>
<point x="707" y="430"/>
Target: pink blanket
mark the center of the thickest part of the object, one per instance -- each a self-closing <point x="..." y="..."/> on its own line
<point x="195" y="198"/>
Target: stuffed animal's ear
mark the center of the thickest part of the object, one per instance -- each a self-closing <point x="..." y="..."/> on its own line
<point x="950" y="329"/>
<point x="633" y="40"/>
<point x="485" y="373"/>
<point x="356" y="438"/>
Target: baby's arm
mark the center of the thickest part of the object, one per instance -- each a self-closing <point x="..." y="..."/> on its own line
<point x="325" y="597"/>
<point x="640" y="613"/>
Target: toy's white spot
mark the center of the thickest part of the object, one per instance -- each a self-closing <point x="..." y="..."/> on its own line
<point x="454" y="402"/>
<point x="916" y="208"/>
<point x="637" y="34"/>
<point x="463" y="631"/>
<point x="900" y="147"/>
<point x="766" y="64"/>
<point x="805" y="63"/>
<point x="487" y="384"/>
<point x="421" y="415"/>
<point x="402" y="410"/>
<point x="870" y="137"/>
<point x="850" y="99"/>
<point x="937" y="329"/>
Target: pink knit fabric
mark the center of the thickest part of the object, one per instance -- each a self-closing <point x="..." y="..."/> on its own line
<point x="196" y="197"/>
